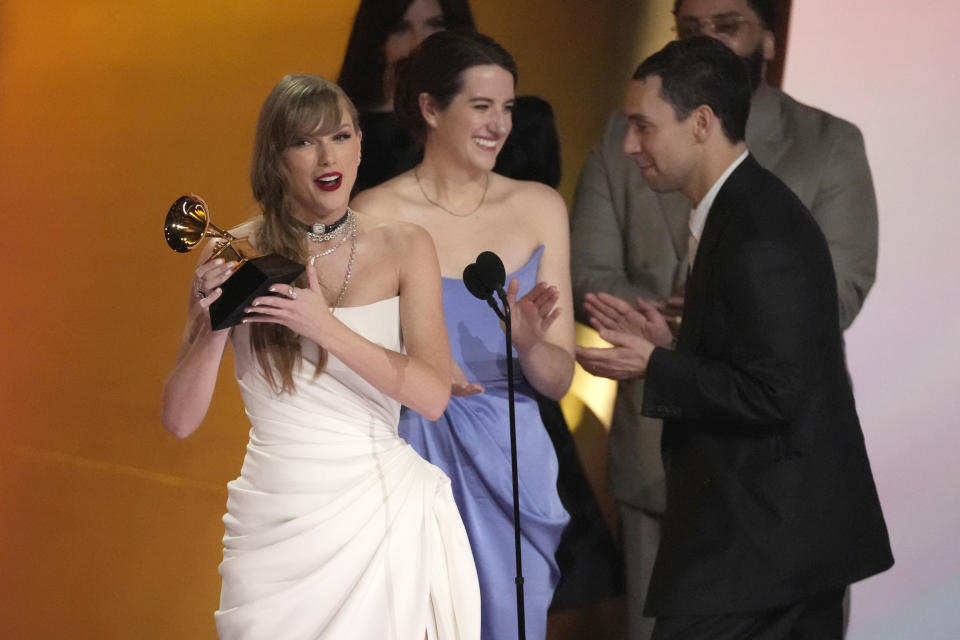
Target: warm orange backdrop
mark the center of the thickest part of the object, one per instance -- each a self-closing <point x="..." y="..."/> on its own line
<point x="109" y="110"/>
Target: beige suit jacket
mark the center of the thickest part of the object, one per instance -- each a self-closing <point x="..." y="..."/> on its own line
<point x="630" y="241"/>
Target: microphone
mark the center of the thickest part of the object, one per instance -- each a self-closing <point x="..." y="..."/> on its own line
<point x="475" y="283"/>
<point x="490" y="270"/>
<point x="478" y="284"/>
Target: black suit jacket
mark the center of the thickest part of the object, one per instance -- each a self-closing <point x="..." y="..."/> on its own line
<point x="770" y="497"/>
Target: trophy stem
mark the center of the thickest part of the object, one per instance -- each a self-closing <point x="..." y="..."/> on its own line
<point x="213" y="231"/>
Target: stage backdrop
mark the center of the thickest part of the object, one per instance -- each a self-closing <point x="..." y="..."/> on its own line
<point x="891" y="68"/>
<point x="109" y="527"/>
<point x="109" y="110"/>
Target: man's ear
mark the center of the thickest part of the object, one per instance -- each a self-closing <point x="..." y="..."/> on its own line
<point x="428" y="109"/>
<point x="703" y="121"/>
<point x="769" y="44"/>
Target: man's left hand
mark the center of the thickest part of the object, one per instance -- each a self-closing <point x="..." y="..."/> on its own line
<point x="626" y="359"/>
<point x="643" y="318"/>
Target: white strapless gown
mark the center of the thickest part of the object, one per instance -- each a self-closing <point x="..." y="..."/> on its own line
<point x="336" y="528"/>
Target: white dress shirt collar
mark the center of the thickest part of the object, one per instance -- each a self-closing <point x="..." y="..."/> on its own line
<point x="698" y="215"/>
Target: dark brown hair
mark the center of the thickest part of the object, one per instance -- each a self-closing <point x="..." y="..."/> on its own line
<point x="436" y="68"/>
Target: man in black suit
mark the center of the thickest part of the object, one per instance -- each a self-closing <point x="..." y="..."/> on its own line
<point x="771" y="507"/>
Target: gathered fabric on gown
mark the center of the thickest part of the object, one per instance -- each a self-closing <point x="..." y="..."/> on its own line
<point x="336" y="528"/>
<point x="471" y="443"/>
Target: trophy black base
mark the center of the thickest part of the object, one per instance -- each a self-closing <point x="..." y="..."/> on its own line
<point x="250" y="281"/>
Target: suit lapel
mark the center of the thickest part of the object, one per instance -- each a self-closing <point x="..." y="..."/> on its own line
<point x="700" y="279"/>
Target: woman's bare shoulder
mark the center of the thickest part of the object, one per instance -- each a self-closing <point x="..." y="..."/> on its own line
<point x="530" y="196"/>
<point x="397" y="234"/>
<point x="383" y="196"/>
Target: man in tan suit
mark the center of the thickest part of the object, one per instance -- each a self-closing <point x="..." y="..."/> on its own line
<point x="631" y="242"/>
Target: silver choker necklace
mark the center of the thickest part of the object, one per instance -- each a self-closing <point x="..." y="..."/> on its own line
<point x="344" y="226"/>
<point x="320" y="232"/>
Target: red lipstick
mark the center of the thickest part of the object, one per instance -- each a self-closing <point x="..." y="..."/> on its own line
<point x="329" y="181"/>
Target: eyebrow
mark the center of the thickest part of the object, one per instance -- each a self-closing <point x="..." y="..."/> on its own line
<point x="724" y="14"/>
<point x="318" y="130"/>
<point x="487" y="100"/>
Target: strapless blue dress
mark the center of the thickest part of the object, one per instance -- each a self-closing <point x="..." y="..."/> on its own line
<point x="471" y="443"/>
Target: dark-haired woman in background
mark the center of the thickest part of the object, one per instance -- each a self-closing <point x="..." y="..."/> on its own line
<point x="456" y="93"/>
<point x="384" y="33"/>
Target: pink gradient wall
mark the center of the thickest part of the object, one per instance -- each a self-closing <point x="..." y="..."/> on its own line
<point x="892" y="69"/>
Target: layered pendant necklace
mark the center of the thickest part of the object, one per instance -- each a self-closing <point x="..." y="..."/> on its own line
<point x="345" y="227"/>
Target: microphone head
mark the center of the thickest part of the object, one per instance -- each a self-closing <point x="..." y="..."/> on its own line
<point x="475" y="284"/>
<point x="490" y="269"/>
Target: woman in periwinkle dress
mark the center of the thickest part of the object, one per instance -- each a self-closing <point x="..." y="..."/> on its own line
<point x="456" y="94"/>
<point x="335" y="528"/>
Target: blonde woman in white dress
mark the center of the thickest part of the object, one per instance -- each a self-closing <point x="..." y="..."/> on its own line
<point x="335" y="527"/>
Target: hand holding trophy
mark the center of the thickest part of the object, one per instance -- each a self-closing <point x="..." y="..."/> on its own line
<point x="188" y="222"/>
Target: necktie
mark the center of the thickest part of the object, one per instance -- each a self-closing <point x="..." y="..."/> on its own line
<point x="692" y="244"/>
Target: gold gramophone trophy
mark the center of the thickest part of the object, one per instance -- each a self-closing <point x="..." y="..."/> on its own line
<point x="188" y="223"/>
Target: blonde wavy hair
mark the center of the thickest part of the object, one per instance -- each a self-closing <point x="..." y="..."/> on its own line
<point x="296" y="106"/>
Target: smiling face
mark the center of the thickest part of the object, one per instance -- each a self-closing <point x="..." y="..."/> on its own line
<point x="663" y="147"/>
<point x="320" y="168"/>
<point x="478" y="119"/>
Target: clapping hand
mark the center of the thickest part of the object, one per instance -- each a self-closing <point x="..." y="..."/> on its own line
<point x="608" y="312"/>
<point x="532" y="314"/>
<point x="303" y="311"/>
<point x="633" y="332"/>
<point x="672" y="311"/>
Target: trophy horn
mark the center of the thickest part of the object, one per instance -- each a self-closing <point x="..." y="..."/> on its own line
<point x="187" y="223"/>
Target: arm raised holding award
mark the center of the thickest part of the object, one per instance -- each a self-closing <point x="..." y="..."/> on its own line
<point x="189" y="389"/>
<point x="230" y="275"/>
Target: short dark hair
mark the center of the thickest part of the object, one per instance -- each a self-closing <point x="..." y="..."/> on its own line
<point x="361" y="74"/>
<point x="702" y="71"/>
<point x="436" y="68"/>
<point x="766" y="10"/>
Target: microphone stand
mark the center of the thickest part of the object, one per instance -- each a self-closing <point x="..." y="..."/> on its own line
<point x="521" y="623"/>
<point x="482" y="282"/>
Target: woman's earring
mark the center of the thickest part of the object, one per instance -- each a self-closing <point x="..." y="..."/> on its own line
<point x="359" y="159"/>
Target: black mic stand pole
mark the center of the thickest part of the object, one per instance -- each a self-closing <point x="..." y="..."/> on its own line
<point x="521" y="622"/>
<point x="482" y="282"/>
